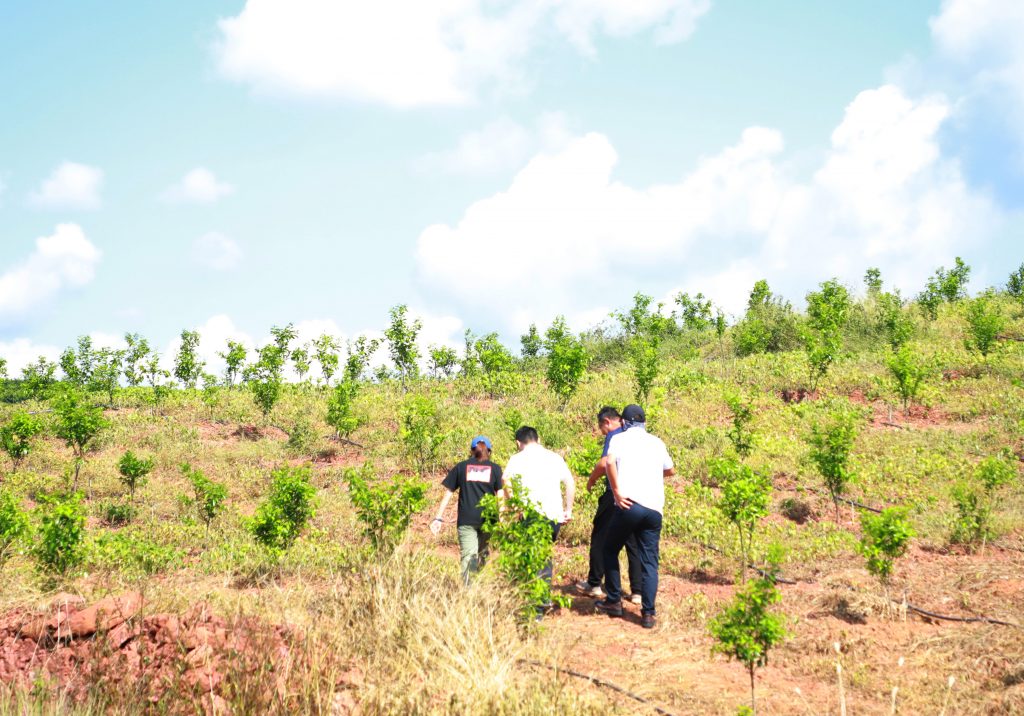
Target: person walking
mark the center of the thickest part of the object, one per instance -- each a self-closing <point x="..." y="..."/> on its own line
<point x="638" y="464"/>
<point x="542" y="474"/>
<point x="472" y="478"/>
<point x="609" y="422"/>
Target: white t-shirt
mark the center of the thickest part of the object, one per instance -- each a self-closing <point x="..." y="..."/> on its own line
<point x="642" y="459"/>
<point x="541" y="472"/>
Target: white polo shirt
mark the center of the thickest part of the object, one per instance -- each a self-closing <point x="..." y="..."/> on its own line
<point x="541" y="472"/>
<point x="642" y="459"/>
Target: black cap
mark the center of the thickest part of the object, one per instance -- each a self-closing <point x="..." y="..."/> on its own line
<point x="633" y="414"/>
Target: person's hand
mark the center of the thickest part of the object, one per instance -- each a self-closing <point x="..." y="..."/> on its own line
<point x="435" y="526"/>
<point x="622" y="502"/>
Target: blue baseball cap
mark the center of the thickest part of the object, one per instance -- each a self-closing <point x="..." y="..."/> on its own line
<point x="480" y="439"/>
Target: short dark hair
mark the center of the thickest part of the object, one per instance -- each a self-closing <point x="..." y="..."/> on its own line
<point x="607" y="413"/>
<point x="526" y="434"/>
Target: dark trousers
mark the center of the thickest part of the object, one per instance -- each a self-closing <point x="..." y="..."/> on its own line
<point x="548" y="571"/>
<point x="645" y="525"/>
<point x="602" y="519"/>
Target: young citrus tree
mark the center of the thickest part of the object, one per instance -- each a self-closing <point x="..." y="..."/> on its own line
<point x="17" y="436"/>
<point x="909" y="369"/>
<point x="265" y="377"/>
<point x="741" y="415"/>
<point x="39" y="377"/>
<point x="135" y="359"/>
<point x="744" y="501"/>
<point x="985" y="321"/>
<point x="401" y="336"/>
<point x="828" y="310"/>
<point x="13" y="526"/>
<point x="521" y="537"/>
<point x="975" y="500"/>
<point x="133" y="471"/>
<point x="567" y="360"/>
<point x="208" y="497"/>
<point x="385" y="507"/>
<point x="340" y="413"/>
<point x="60" y="542"/>
<point x="301" y="362"/>
<point x="893" y="320"/>
<point x="234" y="362"/>
<point x="420" y="431"/>
<point x="884" y="538"/>
<point x="443" y="361"/>
<point x="945" y="286"/>
<point x="748" y="629"/>
<point x="78" y="423"/>
<point x="106" y="372"/>
<point x="831" y="441"/>
<point x="325" y="350"/>
<point x="531" y="344"/>
<point x="291" y="504"/>
<point x="497" y="365"/>
<point x="187" y="365"/>
<point x="643" y="357"/>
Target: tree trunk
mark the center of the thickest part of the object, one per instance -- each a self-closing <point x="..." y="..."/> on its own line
<point x="753" y="698"/>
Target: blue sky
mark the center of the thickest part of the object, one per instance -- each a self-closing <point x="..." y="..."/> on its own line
<point x="343" y="160"/>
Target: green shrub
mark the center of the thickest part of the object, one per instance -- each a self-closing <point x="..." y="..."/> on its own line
<point x="78" y="423"/>
<point x="133" y="471"/>
<point x="741" y="415"/>
<point x="401" y="336"/>
<point x="745" y="497"/>
<point x="747" y="629"/>
<point x="567" y="360"/>
<point x="909" y="369"/>
<point x="340" y="412"/>
<point x="522" y="539"/>
<point x="827" y="313"/>
<point x="208" y="497"/>
<point x="280" y="519"/>
<point x="985" y="321"/>
<point x="769" y="326"/>
<point x="234" y="362"/>
<point x="975" y="500"/>
<point x="17" y="435"/>
<point x="116" y="514"/>
<point x="944" y="287"/>
<point x="831" y="442"/>
<point x="60" y="543"/>
<point x="420" y="432"/>
<point x="497" y="365"/>
<point x="884" y="538"/>
<point x="13" y="525"/>
<point x="893" y="320"/>
<point x="187" y="365"/>
<point x="1015" y="284"/>
<point x="131" y="553"/>
<point x="265" y="377"/>
<point x="385" y="507"/>
<point x="643" y="357"/>
<point x="302" y="436"/>
<point x="444" y="360"/>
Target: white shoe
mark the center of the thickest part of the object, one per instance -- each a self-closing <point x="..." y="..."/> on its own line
<point x="586" y="589"/>
<point x="636" y="598"/>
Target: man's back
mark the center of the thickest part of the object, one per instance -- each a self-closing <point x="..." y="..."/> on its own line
<point x="641" y="459"/>
<point x="541" y="472"/>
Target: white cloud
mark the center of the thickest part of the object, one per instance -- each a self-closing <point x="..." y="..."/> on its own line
<point x="566" y="234"/>
<point x="199" y="186"/>
<point x="501" y="145"/>
<point x="431" y="52"/>
<point x="71" y="186"/>
<point x="216" y="251"/>
<point x="19" y="352"/>
<point x="982" y="38"/>
<point x="65" y="260"/>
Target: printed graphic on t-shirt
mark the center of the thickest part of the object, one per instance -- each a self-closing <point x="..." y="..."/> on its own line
<point x="478" y="473"/>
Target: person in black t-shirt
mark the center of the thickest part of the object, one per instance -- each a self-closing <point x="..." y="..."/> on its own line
<point x="473" y="478"/>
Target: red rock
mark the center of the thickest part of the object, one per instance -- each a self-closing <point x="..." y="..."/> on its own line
<point x="105" y="614"/>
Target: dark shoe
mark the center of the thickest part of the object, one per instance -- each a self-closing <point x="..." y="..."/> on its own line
<point x="612" y="609"/>
<point x="647" y="621"/>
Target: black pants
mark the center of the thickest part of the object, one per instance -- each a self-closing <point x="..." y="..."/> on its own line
<point x="602" y="519"/>
<point x="645" y="526"/>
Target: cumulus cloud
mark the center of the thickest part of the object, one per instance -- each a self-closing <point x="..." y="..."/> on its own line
<point x="71" y="186"/>
<point x="432" y="52"/>
<point x="63" y="261"/>
<point x="567" y="231"/>
<point x="501" y="145"/>
<point x="216" y="251"/>
<point x="199" y="186"/>
<point x="20" y="352"/>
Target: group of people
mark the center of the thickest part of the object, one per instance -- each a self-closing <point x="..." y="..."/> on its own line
<point x="633" y="465"/>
